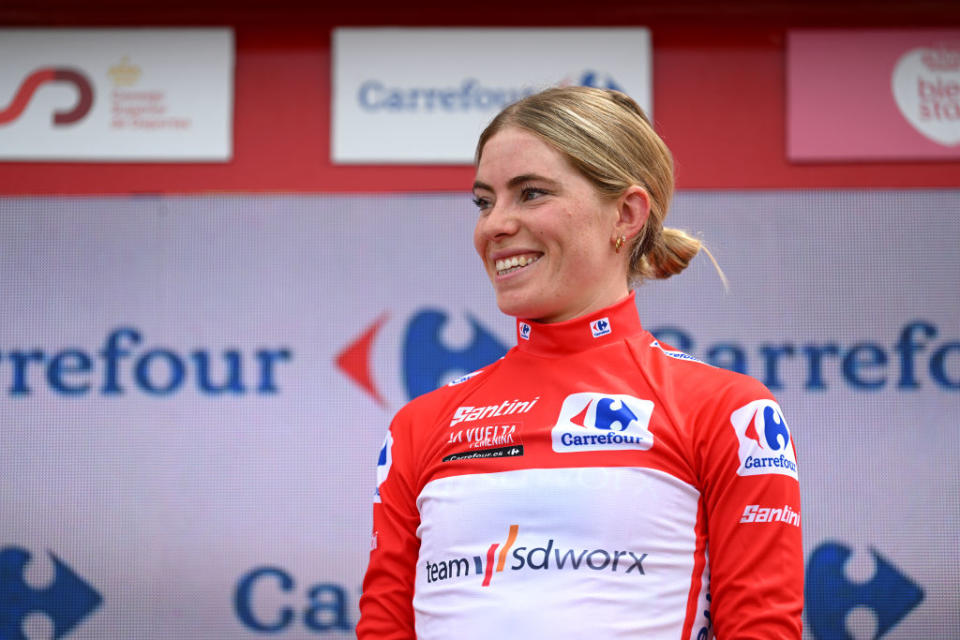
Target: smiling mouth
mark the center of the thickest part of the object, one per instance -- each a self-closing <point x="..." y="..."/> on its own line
<point x="515" y="263"/>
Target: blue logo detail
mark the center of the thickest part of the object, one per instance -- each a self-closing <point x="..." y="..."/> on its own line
<point x="324" y="607"/>
<point x="67" y="600"/>
<point x="830" y="596"/>
<point x="775" y="429"/>
<point x="427" y="361"/>
<point x="607" y="416"/>
<point x="591" y="78"/>
<point x="524" y="331"/>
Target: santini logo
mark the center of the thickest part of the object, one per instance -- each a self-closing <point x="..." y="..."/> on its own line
<point x="600" y="422"/>
<point x="548" y="557"/>
<point x="470" y="414"/>
<point x="756" y="513"/>
<point x="764" y="438"/>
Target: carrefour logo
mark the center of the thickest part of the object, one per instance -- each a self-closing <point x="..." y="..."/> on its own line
<point x="66" y="601"/>
<point x="830" y="596"/>
<point x="764" y="439"/>
<point x="601" y="422"/>
<point x="123" y="364"/>
<point x="548" y="555"/>
<point x="426" y="361"/>
<point x="470" y="94"/>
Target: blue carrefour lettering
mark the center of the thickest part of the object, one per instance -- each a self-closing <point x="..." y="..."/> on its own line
<point x="428" y="363"/>
<point x="174" y="368"/>
<point x="373" y="95"/>
<point x="59" y="366"/>
<point x="938" y="366"/>
<point x="118" y="367"/>
<point x="368" y="95"/>
<point x="816" y="366"/>
<point x="762" y="463"/>
<point x="864" y="356"/>
<point x="243" y="599"/>
<point x="907" y="347"/>
<point x="328" y="606"/>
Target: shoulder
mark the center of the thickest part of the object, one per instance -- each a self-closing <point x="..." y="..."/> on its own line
<point x="693" y="386"/>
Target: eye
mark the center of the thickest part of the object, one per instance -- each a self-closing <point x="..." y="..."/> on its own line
<point x="481" y="203"/>
<point x="531" y="193"/>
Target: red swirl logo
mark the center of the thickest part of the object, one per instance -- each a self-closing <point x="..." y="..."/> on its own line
<point x="41" y="76"/>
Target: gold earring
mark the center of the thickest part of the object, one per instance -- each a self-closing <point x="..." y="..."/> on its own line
<point x="618" y="244"/>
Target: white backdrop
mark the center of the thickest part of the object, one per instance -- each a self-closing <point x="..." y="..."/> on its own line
<point x="189" y="512"/>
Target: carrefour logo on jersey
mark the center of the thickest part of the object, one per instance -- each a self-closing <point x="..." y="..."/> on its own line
<point x="548" y="555"/>
<point x="765" y="443"/>
<point x="602" y="422"/>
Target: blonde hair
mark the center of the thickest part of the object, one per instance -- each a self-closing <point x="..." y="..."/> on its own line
<point x="607" y="137"/>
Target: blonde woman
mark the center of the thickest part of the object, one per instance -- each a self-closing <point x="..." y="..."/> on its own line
<point x="594" y="482"/>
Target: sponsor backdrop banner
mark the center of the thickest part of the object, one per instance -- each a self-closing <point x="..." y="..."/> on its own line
<point x="873" y="95"/>
<point x="116" y="94"/>
<point x="424" y="95"/>
<point x="194" y="391"/>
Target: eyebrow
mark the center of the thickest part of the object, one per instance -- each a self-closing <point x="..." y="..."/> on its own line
<point x="517" y="180"/>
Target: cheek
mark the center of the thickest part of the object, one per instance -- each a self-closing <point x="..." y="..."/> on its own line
<point x="478" y="240"/>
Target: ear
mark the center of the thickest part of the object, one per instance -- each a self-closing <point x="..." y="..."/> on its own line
<point x="633" y="208"/>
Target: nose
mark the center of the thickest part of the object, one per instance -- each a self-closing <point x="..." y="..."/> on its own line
<point x="500" y="221"/>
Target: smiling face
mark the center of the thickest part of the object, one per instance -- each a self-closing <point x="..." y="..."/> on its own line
<point x="544" y="234"/>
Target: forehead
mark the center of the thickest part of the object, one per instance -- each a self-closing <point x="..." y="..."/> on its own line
<point x="513" y="151"/>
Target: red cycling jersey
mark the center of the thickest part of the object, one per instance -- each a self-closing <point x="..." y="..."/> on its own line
<point x="592" y="483"/>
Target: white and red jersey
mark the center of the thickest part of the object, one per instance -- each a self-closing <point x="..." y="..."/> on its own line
<point x="591" y="483"/>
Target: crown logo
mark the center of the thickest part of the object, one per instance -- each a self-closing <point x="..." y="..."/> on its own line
<point x="124" y="74"/>
<point x="942" y="59"/>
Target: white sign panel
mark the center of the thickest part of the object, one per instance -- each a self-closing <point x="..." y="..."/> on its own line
<point x="116" y="94"/>
<point x="424" y="95"/>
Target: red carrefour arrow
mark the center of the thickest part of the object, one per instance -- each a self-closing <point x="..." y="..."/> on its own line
<point x="354" y="360"/>
<point x="580" y="418"/>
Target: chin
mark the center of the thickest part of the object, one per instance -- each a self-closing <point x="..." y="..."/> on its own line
<point x="522" y="308"/>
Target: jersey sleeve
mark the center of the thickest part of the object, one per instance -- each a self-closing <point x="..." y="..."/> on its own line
<point x="386" y="604"/>
<point x="751" y="499"/>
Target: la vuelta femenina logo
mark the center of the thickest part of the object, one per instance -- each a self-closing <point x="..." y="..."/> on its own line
<point x="38" y="78"/>
<point x="548" y="556"/>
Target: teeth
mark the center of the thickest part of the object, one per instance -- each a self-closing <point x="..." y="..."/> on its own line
<point x="513" y="263"/>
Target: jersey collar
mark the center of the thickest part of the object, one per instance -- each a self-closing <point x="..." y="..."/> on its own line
<point x="611" y="324"/>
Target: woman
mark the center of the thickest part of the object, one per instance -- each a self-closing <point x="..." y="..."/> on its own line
<point x="593" y="482"/>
